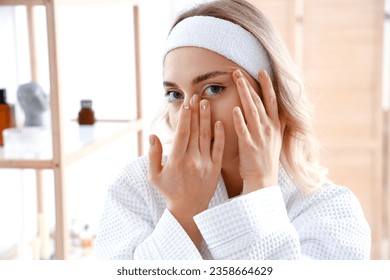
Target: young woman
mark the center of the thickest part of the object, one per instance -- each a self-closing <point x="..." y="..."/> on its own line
<point x="241" y="180"/>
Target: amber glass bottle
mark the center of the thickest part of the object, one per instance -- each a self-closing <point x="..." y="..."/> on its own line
<point x="7" y="114"/>
<point x="86" y="114"/>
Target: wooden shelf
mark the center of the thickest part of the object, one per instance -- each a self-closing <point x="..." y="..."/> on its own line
<point x="79" y="142"/>
<point x="70" y="142"/>
<point x="103" y="134"/>
<point x="66" y="2"/>
<point x="25" y="163"/>
<point x="22" y="2"/>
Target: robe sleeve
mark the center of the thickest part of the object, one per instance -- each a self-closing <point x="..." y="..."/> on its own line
<point x="327" y="225"/>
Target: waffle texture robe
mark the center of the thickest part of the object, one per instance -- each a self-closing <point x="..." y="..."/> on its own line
<point x="277" y="222"/>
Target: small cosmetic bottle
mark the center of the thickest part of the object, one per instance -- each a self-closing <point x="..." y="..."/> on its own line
<point x="86" y="114"/>
<point x="7" y="114"/>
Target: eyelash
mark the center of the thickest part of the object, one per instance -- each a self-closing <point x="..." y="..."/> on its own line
<point x="220" y="89"/>
<point x="171" y="98"/>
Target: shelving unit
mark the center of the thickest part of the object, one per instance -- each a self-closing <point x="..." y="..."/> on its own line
<point x="64" y="154"/>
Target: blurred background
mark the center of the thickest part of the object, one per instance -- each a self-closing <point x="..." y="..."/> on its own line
<point x="342" y="48"/>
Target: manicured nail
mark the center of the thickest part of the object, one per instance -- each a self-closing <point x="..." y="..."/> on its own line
<point x="265" y="74"/>
<point x="203" y="104"/>
<point x="186" y="106"/>
<point x="218" y="125"/>
<point x="152" y="140"/>
<point x="238" y="74"/>
<point x="195" y="99"/>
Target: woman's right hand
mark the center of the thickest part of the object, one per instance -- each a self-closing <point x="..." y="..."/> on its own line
<point x="190" y="176"/>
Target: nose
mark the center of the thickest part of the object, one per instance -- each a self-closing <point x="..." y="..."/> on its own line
<point x="188" y="97"/>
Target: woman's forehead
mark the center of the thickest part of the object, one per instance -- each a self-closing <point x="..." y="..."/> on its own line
<point x="186" y="64"/>
<point x="193" y="61"/>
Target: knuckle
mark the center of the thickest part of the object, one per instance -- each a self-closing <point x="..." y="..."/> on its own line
<point x="218" y="148"/>
<point x="182" y="133"/>
<point x="257" y="99"/>
<point x="241" y="128"/>
<point x="204" y="133"/>
<point x="268" y="130"/>
<point x="241" y="131"/>
<point x="193" y="165"/>
<point x="254" y="112"/>
<point x="252" y="148"/>
<point x="153" y="155"/>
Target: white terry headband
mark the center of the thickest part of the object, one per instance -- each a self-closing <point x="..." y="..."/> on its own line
<point x="223" y="37"/>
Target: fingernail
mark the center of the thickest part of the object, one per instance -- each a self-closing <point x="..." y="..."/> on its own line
<point x="264" y="73"/>
<point x="186" y="106"/>
<point x="203" y="104"/>
<point x="195" y="98"/>
<point x="238" y="74"/>
<point x="152" y="140"/>
<point x="218" y="125"/>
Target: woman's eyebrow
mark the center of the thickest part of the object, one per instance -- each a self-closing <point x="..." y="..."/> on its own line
<point x="208" y="75"/>
<point x="169" y="84"/>
<point x="199" y="78"/>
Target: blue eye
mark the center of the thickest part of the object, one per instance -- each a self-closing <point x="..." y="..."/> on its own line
<point x="213" y="90"/>
<point x="173" y="96"/>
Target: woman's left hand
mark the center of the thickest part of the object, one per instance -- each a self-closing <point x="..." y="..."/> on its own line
<point x="259" y="133"/>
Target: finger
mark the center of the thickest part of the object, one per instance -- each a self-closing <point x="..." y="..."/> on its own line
<point x="182" y="132"/>
<point x="254" y="94"/>
<point x="204" y="133"/>
<point x="258" y="103"/>
<point x="155" y="157"/>
<point x="250" y="110"/>
<point x="269" y="96"/>
<point x="194" y="128"/>
<point x="218" y="144"/>
<point x="240" y="125"/>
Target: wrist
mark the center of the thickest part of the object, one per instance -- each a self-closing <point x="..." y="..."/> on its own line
<point x="187" y="207"/>
<point x="186" y="220"/>
<point x="257" y="184"/>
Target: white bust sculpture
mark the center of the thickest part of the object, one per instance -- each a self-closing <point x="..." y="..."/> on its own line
<point x="34" y="103"/>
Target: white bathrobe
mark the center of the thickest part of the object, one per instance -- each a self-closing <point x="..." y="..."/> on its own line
<point x="277" y="222"/>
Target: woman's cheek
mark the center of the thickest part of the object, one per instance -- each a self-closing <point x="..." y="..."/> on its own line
<point x="173" y="115"/>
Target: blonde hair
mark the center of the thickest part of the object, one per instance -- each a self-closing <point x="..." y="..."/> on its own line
<point x="299" y="150"/>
